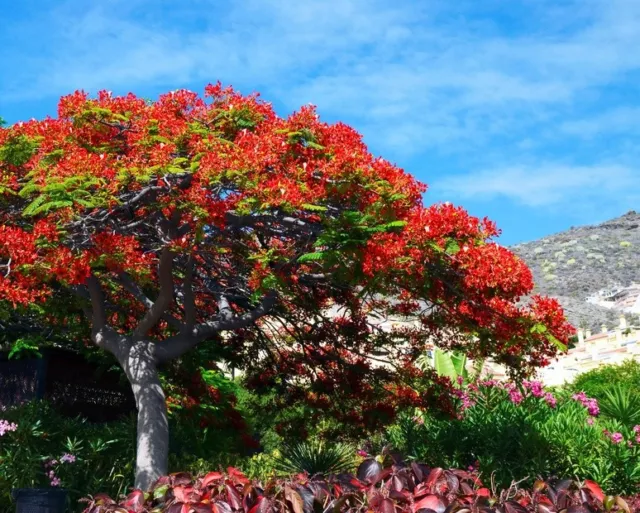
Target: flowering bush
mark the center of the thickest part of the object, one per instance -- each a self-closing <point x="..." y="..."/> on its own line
<point x="512" y="431"/>
<point x="41" y="449"/>
<point x="398" y="488"/>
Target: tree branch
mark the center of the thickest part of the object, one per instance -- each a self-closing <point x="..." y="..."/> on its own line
<point x="176" y="346"/>
<point x="136" y="291"/>
<point x="101" y="334"/>
<point x="98" y="317"/>
<point x="165" y="297"/>
<point x="189" y="296"/>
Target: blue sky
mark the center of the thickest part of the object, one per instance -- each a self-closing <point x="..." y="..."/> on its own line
<point x="527" y="111"/>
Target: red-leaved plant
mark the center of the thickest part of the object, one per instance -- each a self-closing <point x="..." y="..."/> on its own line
<point x="410" y="488"/>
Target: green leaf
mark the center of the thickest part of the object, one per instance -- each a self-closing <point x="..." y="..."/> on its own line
<point x="556" y="342"/>
<point x="311" y="257"/>
<point x="451" y="365"/>
<point x="314" y="208"/>
<point x="452" y="247"/>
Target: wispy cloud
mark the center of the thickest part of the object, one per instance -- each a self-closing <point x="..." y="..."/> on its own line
<point x="457" y="85"/>
<point x="623" y="121"/>
<point x="547" y="185"/>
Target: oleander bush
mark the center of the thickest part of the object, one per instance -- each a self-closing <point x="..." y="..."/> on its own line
<point x="40" y="447"/>
<point x="513" y="433"/>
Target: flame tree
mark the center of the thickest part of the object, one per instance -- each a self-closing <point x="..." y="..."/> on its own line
<point x="211" y="220"/>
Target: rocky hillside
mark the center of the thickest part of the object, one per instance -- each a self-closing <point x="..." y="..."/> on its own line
<point x="575" y="264"/>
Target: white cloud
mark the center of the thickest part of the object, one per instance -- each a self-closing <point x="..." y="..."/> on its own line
<point x="548" y="185"/>
<point x="618" y="121"/>
<point x="415" y="77"/>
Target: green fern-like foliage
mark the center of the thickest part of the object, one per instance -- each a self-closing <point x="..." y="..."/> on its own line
<point x="81" y="190"/>
<point x="316" y="457"/>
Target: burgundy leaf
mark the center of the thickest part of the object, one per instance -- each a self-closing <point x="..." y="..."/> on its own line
<point x="178" y="507"/>
<point x="579" y="509"/>
<point x="201" y="507"/>
<point x="430" y="502"/>
<point x="221" y="507"/>
<point x="211" y="477"/>
<point x="397" y="484"/>
<point x="453" y="482"/>
<point x="514" y="507"/>
<point x="262" y="505"/>
<point x="181" y="478"/>
<point x="308" y="497"/>
<point x="234" y="497"/>
<point x="417" y="470"/>
<point x="401" y="495"/>
<point x="134" y="501"/>
<point x="335" y="505"/>
<point x="179" y="493"/>
<point x="368" y="470"/>
<point x="433" y="477"/>
<point x="466" y="488"/>
<point x="387" y="506"/>
<point x="237" y="475"/>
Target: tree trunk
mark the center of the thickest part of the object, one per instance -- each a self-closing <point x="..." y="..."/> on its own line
<point x="152" y="441"/>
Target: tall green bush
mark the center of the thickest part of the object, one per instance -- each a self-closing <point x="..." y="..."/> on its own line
<point x="596" y="383"/>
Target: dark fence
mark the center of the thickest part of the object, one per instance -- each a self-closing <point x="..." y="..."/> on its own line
<point x="67" y="380"/>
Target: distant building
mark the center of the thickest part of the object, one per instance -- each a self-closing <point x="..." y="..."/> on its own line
<point x="610" y="346"/>
<point x="625" y="299"/>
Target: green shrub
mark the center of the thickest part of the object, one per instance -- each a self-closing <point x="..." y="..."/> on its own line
<point x="597" y="382"/>
<point x="100" y="457"/>
<point x="520" y="433"/>
<point x="104" y="453"/>
<point x="316" y="457"/>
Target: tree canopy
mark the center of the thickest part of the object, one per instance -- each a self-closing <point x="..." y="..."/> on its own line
<point x="283" y="240"/>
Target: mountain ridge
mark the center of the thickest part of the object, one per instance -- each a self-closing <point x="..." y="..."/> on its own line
<point x="584" y="260"/>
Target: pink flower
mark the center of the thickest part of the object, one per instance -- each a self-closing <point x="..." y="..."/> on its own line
<point x="592" y="407"/>
<point x="550" y="400"/>
<point x="6" y="426"/>
<point x="55" y="481"/>
<point x="515" y="396"/>
<point x="636" y="430"/>
<point x="616" y="438"/>
<point x="460" y="380"/>
<point x="535" y="387"/>
<point x="590" y="404"/>
<point x="361" y="453"/>
<point x="67" y="458"/>
<point x="580" y="396"/>
<point x="590" y="421"/>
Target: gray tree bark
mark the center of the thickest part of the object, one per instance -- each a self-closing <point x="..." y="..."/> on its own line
<point x="139" y="357"/>
<point x="152" y="440"/>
